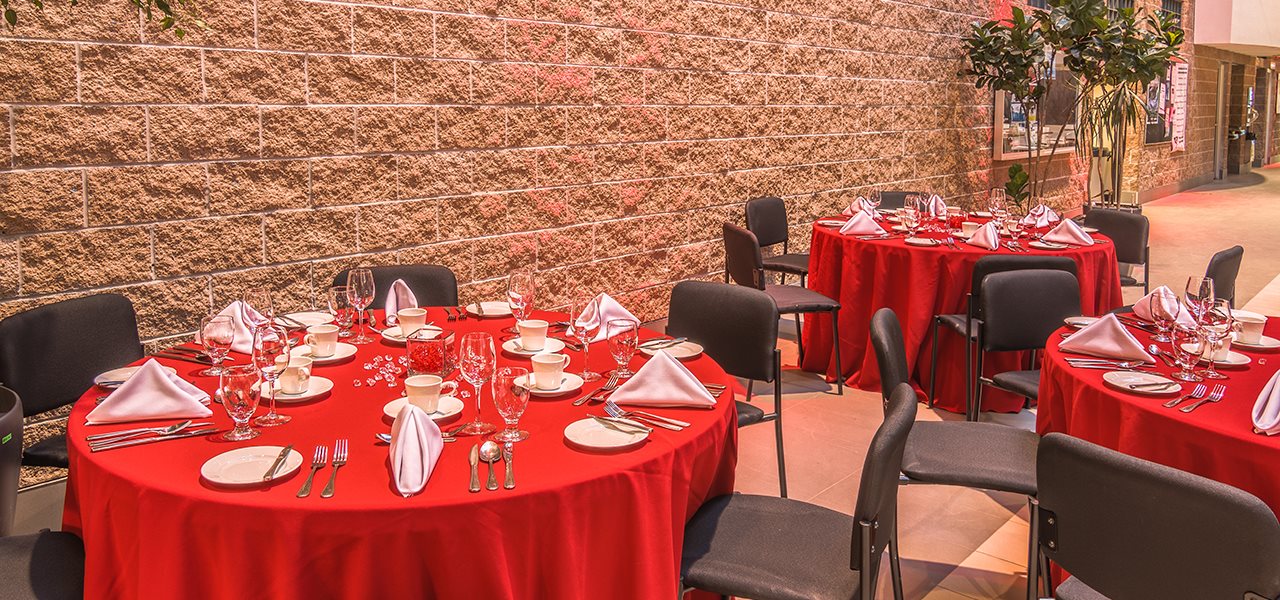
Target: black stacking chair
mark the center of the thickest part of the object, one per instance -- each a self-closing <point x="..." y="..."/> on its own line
<point x="1126" y="528"/>
<point x="895" y="199"/>
<point x="45" y="565"/>
<point x="50" y="354"/>
<point x="1223" y="269"/>
<point x="1130" y="232"/>
<point x="778" y="549"/>
<point x="432" y="285"/>
<point x="1020" y="310"/>
<point x="767" y="218"/>
<point x="738" y="328"/>
<point x="746" y="268"/>
<point x="969" y="324"/>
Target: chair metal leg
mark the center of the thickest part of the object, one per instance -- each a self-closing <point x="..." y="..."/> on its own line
<point x="1033" y="551"/>
<point x="933" y="364"/>
<point x="969" y="379"/>
<point x="799" y="338"/>
<point x="867" y="582"/>
<point x="777" y="424"/>
<point x="835" y="344"/>
<point x="895" y="565"/>
<point x="750" y="384"/>
<point x="975" y="407"/>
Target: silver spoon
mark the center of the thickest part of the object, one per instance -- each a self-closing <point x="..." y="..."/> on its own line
<point x="386" y="438"/>
<point x="1161" y="354"/>
<point x="490" y="452"/>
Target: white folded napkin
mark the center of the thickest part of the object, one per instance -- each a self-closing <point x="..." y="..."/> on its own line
<point x="986" y="237"/>
<point x="663" y="381"/>
<point x="937" y="208"/>
<point x="243" y="319"/>
<point x="399" y="297"/>
<point x="1143" y="309"/>
<point x="862" y="205"/>
<point x="1266" y="410"/>
<point x="1040" y="216"/>
<point x="1106" y="338"/>
<point x="1067" y="232"/>
<point x="416" y="445"/>
<point x="151" y="393"/>
<point x="607" y="309"/>
<point x="861" y="224"/>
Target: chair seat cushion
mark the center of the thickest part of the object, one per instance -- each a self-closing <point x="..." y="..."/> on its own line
<point x="979" y="455"/>
<point x="1127" y="280"/>
<point x="749" y="414"/>
<point x="1074" y="589"/>
<point x="795" y="299"/>
<point x="956" y="324"/>
<point x="1022" y="383"/>
<point x="46" y="565"/>
<point x="796" y="264"/>
<point x="49" y="452"/>
<point x="766" y="547"/>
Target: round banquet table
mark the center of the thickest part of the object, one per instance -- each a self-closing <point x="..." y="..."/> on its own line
<point x="578" y="525"/>
<point x="918" y="283"/>
<point x="1214" y="440"/>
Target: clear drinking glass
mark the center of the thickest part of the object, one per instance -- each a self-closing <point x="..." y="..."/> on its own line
<point x="270" y="342"/>
<point x="1188" y="345"/>
<point x="216" y="334"/>
<point x="910" y="216"/>
<point x="360" y="293"/>
<point x="522" y="290"/>
<point x="344" y="315"/>
<point x="259" y="299"/>
<point x="476" y="362"/>
<point x="511" y="399"/>
<point x="430" y="352"/>
<point x="239" y="388"/>
<point x="1164" y="313"/>
<point x="874" y="200"/>
<point x="1216" y="325"/>
<point x="1199" y="295"/>
<point x="997" y="200"/>
<point x="584" y="330"/>
<point x="623" y="334"/>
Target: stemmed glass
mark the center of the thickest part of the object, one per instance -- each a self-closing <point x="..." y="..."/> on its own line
<point x="511" y="399"/>
<point x="996" y="201"/>
<point x="623" y="334"/>
<point x="910" y="214"/>
<point x="1216" y="324"/>
<point x="271" y="343"/>
<point x="217" y="332"/>
<point x="360" y="292"/>
<point x="1164" y="312"/>
<point x="521" y="291"/>
<point x="239" y="388"/>
<point x="584" y="331"/>
<point x="476" y="362"/>
<point x="340" y="307"/>
<point x="1188" y="344"/>
<point x="258" y="299"/>
<point x="1199" y="295"/>
<point x="874" y="201"/>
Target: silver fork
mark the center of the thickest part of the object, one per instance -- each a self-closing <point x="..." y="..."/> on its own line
<point x="339" y="459"/>
<point x="612" y="409"/>
<point x="449" y="316"/>
<point x="1195" y="394"/>
<point x="1218" y="391"/>
<point x="317" y="462"/>
<point x="608" y="387"/>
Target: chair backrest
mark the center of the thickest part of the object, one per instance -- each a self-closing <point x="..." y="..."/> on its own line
<point x="432" y="285"/>
<point x="50" y="354"/>
<point x="891" y="352"/>
<point x="1021" y="309"/>
<point x="736" y="326"/>
<point x="877" y="500"/>
<point x="1129" y="528"/>
<point x="1129" y="231"/>
<point x="10" y="456"/>
<point x="999" y="263"/>
<point x="767" y="218"/>
<point x="742" y="258"/>
<point x="1223" y="269"/>
<point x="895" y="199"/>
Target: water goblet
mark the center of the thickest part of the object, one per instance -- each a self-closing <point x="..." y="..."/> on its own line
<point x="585" y="329"/>
<point x="1188" y="345"/>
<point x="996" y="200"/>
<point x="1164" y="313"/>
<point x="344" y="315"/>
<point x="239" y="388"/>
<point x="521" y="291"/>
<point x="1199" y="295"/>
<point x="476" y="362"/>
<point x="217" y="332"/>
<point x="1217" y="324"/>
<point x="270" y="344"/>
<point x="361" y="292"/>
<point x="259" y="299"/>
<point x="511" y="399"/>
<point x="624" y="335"/>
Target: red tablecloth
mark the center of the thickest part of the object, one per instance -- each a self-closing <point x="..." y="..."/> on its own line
<point x="577" y="526"/>
<point x="1214" y="441"/>
<point x="918" y="283"/>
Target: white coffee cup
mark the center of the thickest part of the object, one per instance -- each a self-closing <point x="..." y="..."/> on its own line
<point x="1250" y="327"/>
<point x="424" y="391"/>
<point x="548" y="370"/>
<point x="295" y="374"/>
<point x="323" y="340"/>
<point x="969" y="227"/>
<point x="1222" y="353"/>
<point x="533" y="334"/>
<point x="411" y="320"/>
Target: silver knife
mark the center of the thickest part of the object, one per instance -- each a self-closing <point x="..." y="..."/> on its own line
<point x="510" y="484"/>
<point x="150" y="440"/>
<point x="474" y="459"/>
<point x="275" y="466"/>
<point x="676" y="422"/>
<point x="621" y="425"/>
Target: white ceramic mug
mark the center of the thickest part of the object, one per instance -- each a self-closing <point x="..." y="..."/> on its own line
<point x="1250" y="328"/>
<point x="411" y="320"/>
<point x="424" y="391"/>
<point x="548" y="370"/>
<point x="323" y="340"/>
<point x="1222" y="353"/>
<point x="969" y="227"/>
<point x="295" y="374"/>
<point x="533" y="334"/>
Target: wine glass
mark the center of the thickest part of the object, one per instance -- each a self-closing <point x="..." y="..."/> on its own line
<point x="624" y="334"/>
<point x="909" y="215"/>
<point x="511" y="399"/>
<point x="360" y="293"/>
<point x="1188" y="345"/>
<point x="997" y="200"/>
<point x="1217" y="324"/>
<point x="584" y="330"/>
<point x="344" y="314"/>
<point x="217" y="332"/>
<point x="258" y="299"/>
<point x="476" y="361"/>
<point x="1199" y="295"/>
<point x="270" y="343"/>
<point x="521" y="291"/>
<point x="239" y="388"/>
<point x="1164" y="313"/>
<point x="873" y="201"/>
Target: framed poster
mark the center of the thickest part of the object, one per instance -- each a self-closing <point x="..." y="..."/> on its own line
<point x="1178" y="118"/>
<point x="1160" y="109"/>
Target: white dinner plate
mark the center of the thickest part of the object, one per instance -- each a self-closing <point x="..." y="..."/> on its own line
<point x="448" y="407"/>
<point x="308" y="318"/>
<point x="341" y="353"/>
<point x="589" y="434"/>
<point x="831" y="222"/>
<point x="1233" y="359"/>
<point x="551" y="346"/>
<point x="682" y="351"/>
<point x="1090" y="229"/>
<point x="1043" y="245"/>
<point x="1121" y="380"/>
<point x="1265" y="343"/>
<point x="124" y="373"/>
<point x="316" y="386"/>
<point x="244" y="467"/>
<point x="1080" y="322"/>
<point x="926" y="242"/>
<point x="899" y="228"/>
<point x="392" y="334"/>
<point x="569" y="383"/>
<point x="491" y="309"/>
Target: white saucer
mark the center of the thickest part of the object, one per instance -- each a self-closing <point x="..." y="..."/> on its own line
<point x="1043" y="245"/>
<point x="568" y="384"/>
<point x="316" y="386"/>
<point x="1080" y="322"/>
<point x="899" y="228"/>
<point x="491" y="309"/>
<point x="893" y="219"/>
<point x="926" y="242"/>
<point x="588" y="434"/>
<point x="341" y="353"/>
<point x="682" y="351"/>
<point x="244" y="467"/>
<point x="392" y="334"/>
<point x="1265" y="343"/>
<point x="1089" y="229"/>
<point x="448" y="407"/>
<point x="551" y="346"/>
<point x="831" y="223"/>
<point x="309" y="318"/>
<point x="1233" y="359"/>
<point x="124" y="373"/>
<point x="1121" y="380"/>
